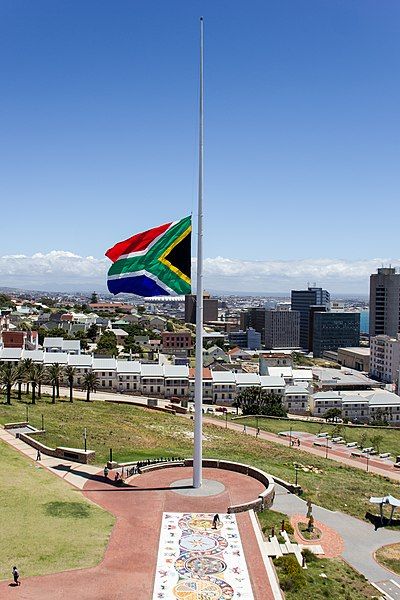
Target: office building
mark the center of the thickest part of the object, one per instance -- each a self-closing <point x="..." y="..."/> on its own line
<point x="250" y="339"/>
<point x="210" y="308"/>
<point x="254" y="318"/>
<point x="384" y="299"/>
<point x="333" y="330"/>
<point x="302" y="300"/>
<point x="282" y="329"/>
<point x="385" y="358"/>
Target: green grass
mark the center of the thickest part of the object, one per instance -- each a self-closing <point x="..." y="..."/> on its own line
<point x="341" y="581"/>
<point x="390" y="442"/>
<point x="389" y="557"/>
<point x="273" y="519"/>
<point x="46" y="526"/>
<point x="135" y="433"/>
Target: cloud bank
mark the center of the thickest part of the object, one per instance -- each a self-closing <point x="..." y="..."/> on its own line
<point x="62" y="270"/>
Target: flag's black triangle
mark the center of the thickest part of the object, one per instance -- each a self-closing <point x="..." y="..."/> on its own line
<point x="180" y="255"/>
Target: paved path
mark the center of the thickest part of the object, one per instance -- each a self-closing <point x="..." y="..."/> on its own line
<point x="375" y="466"/>
<point x="128" y="568"/>
<point x="360" y="538"/>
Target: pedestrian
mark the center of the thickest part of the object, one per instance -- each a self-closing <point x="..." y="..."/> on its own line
<point x="216" y="521"/>
<point x="106" y="471"/>
<point x="15" y="573"/>
<point x="38" y="455"/>
<point x="244" y="428"/>
<point x="298" y="443"/>
<point x="258" y="431"/>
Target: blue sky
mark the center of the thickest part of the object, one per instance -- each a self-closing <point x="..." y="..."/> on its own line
<point x="99" y="115"/>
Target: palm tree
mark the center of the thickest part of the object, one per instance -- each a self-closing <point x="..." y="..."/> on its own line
<point x="8" y="376"/>
<point x="41" y="376"/>
<point x="90" y="384"/>
<point x="36" y="377"/>
<point x="26" y="366"/>
<point x="55" y="372"/>
<point x="19" y="379"/>
<point x="70" y="373"/>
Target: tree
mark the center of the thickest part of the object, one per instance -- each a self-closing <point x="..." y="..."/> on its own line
<point x="90" y="383"/>
<point x="363" y="439"/>
<point x="5" y="301"/>
<point x="55" y="372"/>
<point x="41" y="375"/>
<point x="26" y="367"/>
<point x="170" y="326"/>
<point x="256" y="401"/>
<point x="33" y="376"/>
<point x="332" y="414"/>
<point x="8" y="376"/>
<point x="70" y="373"/>
<point x="19" y="379"/>
<point x="107" y="343"/>
<point x="92" y="331"/>
<point x="376" y="441"/>
<point x="94" y="298"/>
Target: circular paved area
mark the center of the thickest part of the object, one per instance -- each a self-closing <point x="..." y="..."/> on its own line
<point x="128" y="568"/>
<point x="331" y="542"/>
<point x="209" y="487"/>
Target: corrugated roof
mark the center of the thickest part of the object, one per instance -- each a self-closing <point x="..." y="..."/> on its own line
<point x="104" y="364"/>
<point x="35" y="355"/>
<point x="296" y="389"/>
<point x="269" y="381"/>
<point x="247" y="379"/>
<point x="11" y="354"/>
<point x="55" y="357"/>
<point x="128" y="366"/>
<point x="152" y="371"/>
<point x="80" y="360"/>
<point x="223" y="376"/>
<point x="53" y="341"/>
<point x="180" y="371"/>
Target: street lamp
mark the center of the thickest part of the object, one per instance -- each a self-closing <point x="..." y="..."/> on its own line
<point x="367" y="457"/>
<point x="290" y="436"/>
<point x="42" y="422"/>
<point x="326" y="447"/>
<point x="27" y="413"/>
<point x="296" y="469"/>
<point x="85" y="438"/>
<point x="226" y="419"/>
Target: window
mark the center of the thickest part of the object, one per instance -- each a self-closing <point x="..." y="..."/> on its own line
<point x="103" y="374"/>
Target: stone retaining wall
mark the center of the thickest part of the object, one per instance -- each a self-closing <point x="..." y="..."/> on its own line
<point x="73" y="454"/>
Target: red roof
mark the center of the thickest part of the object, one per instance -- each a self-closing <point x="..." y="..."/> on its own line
<point x="206" y="373"/>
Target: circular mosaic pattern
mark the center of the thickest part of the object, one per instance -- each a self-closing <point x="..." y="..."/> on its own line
<point x="199" y="565"/>
<point x="197" y="544"/>
<point x="202" y="524"/>
<point x="198" y="589"/>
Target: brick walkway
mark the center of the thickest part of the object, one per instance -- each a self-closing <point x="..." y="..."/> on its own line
<point x="331" y="542"/>
<point x="128" y="567"/>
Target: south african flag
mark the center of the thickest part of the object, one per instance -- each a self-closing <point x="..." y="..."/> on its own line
<point x="156" y="262"/>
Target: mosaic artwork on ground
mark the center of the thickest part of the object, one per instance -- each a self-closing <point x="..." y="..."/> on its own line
<point x="197" y="562"/>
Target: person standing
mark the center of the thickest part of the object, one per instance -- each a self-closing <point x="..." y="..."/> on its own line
<point x="216" y="521"/>
<point x="15" y="573"/>
<point x="38" y="455"/>
<point x="106" y="471"/>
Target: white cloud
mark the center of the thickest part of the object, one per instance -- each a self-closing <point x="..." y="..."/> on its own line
<point x="63" y="270"/>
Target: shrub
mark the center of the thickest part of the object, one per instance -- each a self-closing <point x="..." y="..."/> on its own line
<point x="292" y="576"/>
<point x="309" y="556"/>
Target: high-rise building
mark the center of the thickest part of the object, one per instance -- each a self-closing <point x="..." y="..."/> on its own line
<point x="282" y="329"/>
<point x="333" y="330"/>
<point x="210" y="308"/>
<point x="250" y="339"/>
<point x="385" y="358"/>
<point x="384" y="302"/>
<point x="254" y="318"/>
<point x="302" y="300"/>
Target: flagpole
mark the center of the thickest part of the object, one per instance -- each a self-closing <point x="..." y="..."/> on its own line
<point x="198" y="386"/>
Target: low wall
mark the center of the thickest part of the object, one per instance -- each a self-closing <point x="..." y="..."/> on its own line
<point x="170" y="411"/>
<point x="73" y="454"/>
<point x="15" y="425"/>
<point x="159" y="466"/>
<point x="264" y="500"/>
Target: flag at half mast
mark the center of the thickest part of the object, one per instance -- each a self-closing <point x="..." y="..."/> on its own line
<point x="156" y="262"/>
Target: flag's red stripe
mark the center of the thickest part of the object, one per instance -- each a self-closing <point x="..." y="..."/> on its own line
<point x="137" y="242"/>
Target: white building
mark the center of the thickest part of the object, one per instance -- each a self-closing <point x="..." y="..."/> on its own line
<point x="385" y="358"/>
<point x="296" y="399"/>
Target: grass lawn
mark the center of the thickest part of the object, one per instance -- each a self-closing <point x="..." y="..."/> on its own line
<point x="390" y="437"/>
<point x="389" y="557"/>
<point x="135" y="432"/>
<point x="341" y="581"/>
<point x="46" y="526"/>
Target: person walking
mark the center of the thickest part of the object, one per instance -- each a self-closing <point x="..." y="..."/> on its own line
<point x="244" y="428"/>
<point x="216" y="521"/>
<point x="15" y="573"/>
<point x="38" y="455"/>
<point x="106" y="471"/>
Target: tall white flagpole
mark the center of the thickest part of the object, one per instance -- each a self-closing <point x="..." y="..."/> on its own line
<point x="198" y="386"/>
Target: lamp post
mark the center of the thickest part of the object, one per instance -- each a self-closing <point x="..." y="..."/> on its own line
<point x="290" y="436"/>
<point x="85" y="438"/>
<point x="42" y="422"/>
<point x="367" y="457"/>
<point x="226" y="418"/>
<point x="27" y="413"/>
<point x="296" y="471"/>
<point x="326" y="447"/>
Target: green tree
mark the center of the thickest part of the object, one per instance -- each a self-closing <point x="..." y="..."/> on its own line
<point x="107" y="343"/>
<point x="376" y="441"/>
<point x="33" y="376"/>
<point x="41" y="376"/>
<point x="256" y="401"/>
<point x="70" y="373"/>
<point x="170" y="326"/>
<point x="26" y="367"/>
<point x="90" y="383"/>
<point x="332" y="414"/>
<point x="55" y="373"/>
<point x="8" y="376"/>
<point x="92" y="331"/>
<point x="363" y="439"/>
<point x="5" y="301"/>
